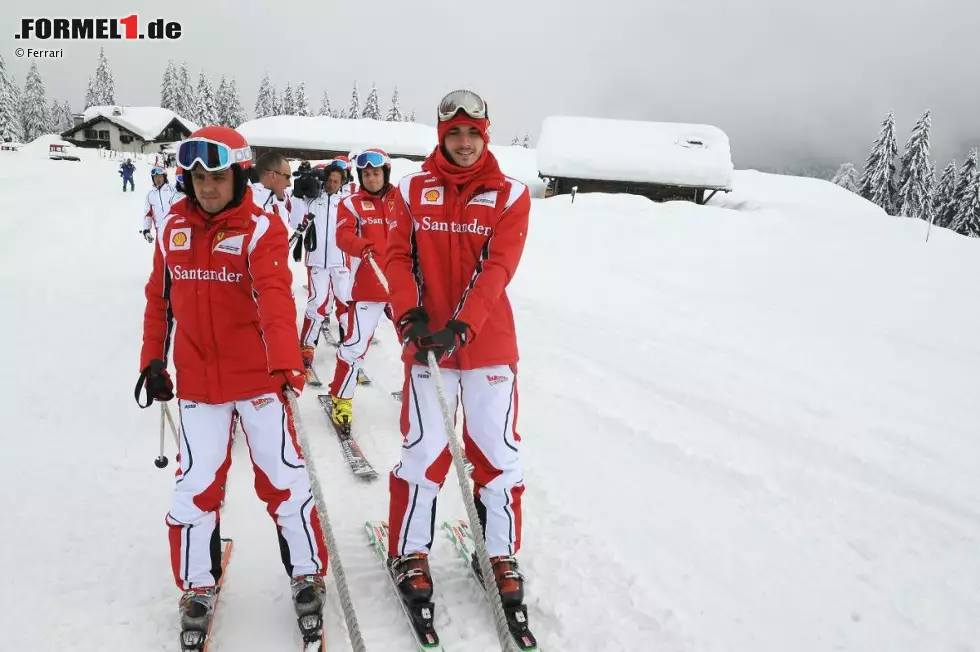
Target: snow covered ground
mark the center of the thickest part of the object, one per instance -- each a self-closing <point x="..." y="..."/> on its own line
<point x="749" y="426"/>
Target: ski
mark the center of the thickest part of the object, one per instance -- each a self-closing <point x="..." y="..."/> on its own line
<point x="461" y="536"/>
<point x="420" y="616"/>
<point x="312" y="378"/>
<point x="328" y="336"/>
<point x="313" y="640"/>
<point x="359" y="464"/>
<point x="195" y="640"/>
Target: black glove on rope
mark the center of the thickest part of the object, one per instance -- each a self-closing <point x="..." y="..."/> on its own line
<point x="443" y="343"/>
<point x="156" y="378"/>
<point x="413" y="325"/>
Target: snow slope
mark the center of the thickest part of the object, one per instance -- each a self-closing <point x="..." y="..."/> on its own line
<point x="746" y="428"/>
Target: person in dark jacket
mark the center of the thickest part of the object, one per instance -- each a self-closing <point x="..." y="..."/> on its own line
<point x="126" y="171"/>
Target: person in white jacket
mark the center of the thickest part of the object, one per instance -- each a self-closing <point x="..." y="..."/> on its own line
<point x="328" y="274"/>
<point x="158" y="202"/>
<point x="274" y="177"/>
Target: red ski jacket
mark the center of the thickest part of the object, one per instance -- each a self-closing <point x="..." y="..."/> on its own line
<point x="224" y="280"/>
<point x="362" y="221"/>
<point x="453" y="251"/>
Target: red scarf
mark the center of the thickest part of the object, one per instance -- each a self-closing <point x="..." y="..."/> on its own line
<point x="438" y="164"/>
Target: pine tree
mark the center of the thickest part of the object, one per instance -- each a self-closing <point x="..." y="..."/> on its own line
<point x="221" y="102"/>
<point x="372" y="107"/>
<point x="55" y="118"/>
<point x="104" y="84"/>
<point x="395" y="110"/>
<point x="411" y="118"/>
<point x="236" y="112"/>
<point x="527" y="140"/>
<point x="169" y="90"/>
<point x="68" y="117"/>
<point x="11" y="128"/>
<point x="16" y="95"/>
<point x="34" y="106"/>
<point x="943" y="206"/>
<point x="301" y="100"/>
<point x="263" y="102"/>
<point x="206" y="113"/>
<point x="965" y="199"/>
<point x="277" y="107"/>
<point x="186" y="102"/>
<point x="90" y="99"/>
<point x="516" y="142"/>
<point x="325" y="106"/>
<point x="288" y="103"/>
<point x="878" y="183"/>
<point x="848" y="177"/>
<point x="914" y="188"/>
<point x="354" y="110"/>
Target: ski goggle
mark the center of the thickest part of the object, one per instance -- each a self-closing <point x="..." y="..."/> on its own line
<point x="211" y="155"/>
<point x="343" y="165"/>
<point x="466" y="101"/>
<point x="156" y="171"/>
<point x="372" y="160"/>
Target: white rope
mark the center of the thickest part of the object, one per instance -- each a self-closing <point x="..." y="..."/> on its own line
<point x="357" y="642"/>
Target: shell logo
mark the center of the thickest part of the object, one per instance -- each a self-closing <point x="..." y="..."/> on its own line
<point x="431" y="195"/>
<point x="180" y="239"/>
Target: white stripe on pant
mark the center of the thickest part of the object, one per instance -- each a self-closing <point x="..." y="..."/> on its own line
<point x="489" y="397"/>
<point x="281" y="482"/>
<point x="363" y="318"/>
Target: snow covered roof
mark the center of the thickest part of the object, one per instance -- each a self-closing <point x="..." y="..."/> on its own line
<point x="145" y="121"/>
<point x="626" y="150"/>
<point x="324" y="133"/>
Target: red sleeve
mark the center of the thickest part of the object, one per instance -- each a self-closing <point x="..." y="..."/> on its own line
<point x="497" y="264"/>
<point x="400" y="261"/>
<point x="347" y="239"/>
<point x="157" y="316"/>
<point x="271" y="279"/>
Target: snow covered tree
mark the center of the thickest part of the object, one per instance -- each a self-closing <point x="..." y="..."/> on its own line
<point x="325" y="108"/>
<point x="395" y="110"/>
<point x="207" y="111"/>
<point x="915" y="184"/>
<point x="411" y="118"/>
<point x="848" y="177"/>
<point x="878" y="183"/>
<point x="516" y="142"/>
<point x="103" y="85"/>
<point x="55" y="118"/>
<point x="943" y="204"/>
<point x="527" y="141"/>
<point x="301" y="101"/>
<point x="68" y="117"/>
<point x="967" y="218"/>
<point x="34" y="106"/>
<point x="263" y="102"/>
<point x="11" y="128"/>
<point x="235" y="111"/>
<point x="169" y="89"/>
<point x="221" y="102"/>
<point x="277" y="107"/>
<point x="354" y="110"/>
<point x="90" y="93"/>
<point x="288" y="103"/>
<point x="187" y="101"/>
<point x="372" y="107"/>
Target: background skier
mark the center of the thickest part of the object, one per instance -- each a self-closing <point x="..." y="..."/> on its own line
<point x="126" y="171"/>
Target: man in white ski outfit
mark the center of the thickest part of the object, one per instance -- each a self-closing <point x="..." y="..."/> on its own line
<point x="327" y="273"/>
<point x="158" y="202"/>
<point x="269" y="192"/>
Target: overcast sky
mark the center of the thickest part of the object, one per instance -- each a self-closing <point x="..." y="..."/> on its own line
<point x="787" y="80"/>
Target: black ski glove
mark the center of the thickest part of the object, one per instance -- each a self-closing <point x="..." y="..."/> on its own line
<point x="443" y="343"/>
<point x="159" y="387"/>
<point x="147" y="236"/>
<point x="413" y="325"/>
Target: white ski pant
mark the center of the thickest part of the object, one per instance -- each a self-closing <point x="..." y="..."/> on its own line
<point x="489" y="397"/>
<point x="323" y="285"/>
<point x="362" y="320"/>
<point x="281" y="482"/>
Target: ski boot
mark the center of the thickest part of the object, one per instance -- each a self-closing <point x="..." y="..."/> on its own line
<point x="196" y="609"/>
<point x="309" y="592"/>
<point x="307" y="353"/>
<point x="414" y="582"/>
<point x="341" y="414"/>
<point x="510" y="584"/>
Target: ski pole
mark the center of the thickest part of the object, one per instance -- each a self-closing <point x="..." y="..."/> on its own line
<point x="507" y="643"/>
<point x="161" y="461"/>
<point x="333" y="553"/>
<point x="173" y="428"/>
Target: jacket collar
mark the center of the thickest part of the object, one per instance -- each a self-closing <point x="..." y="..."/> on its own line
<point x="236" y="217"/>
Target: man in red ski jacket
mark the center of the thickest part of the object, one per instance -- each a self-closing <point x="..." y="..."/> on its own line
<point x="456" y="239"/>
<point x="362" y="232"/>
<point x="220" y="272"/>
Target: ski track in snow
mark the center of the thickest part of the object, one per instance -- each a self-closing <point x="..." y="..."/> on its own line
<point x="748" y="429"/>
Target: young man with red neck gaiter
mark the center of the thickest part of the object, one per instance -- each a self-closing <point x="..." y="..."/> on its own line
<point x="457" y="237"/>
